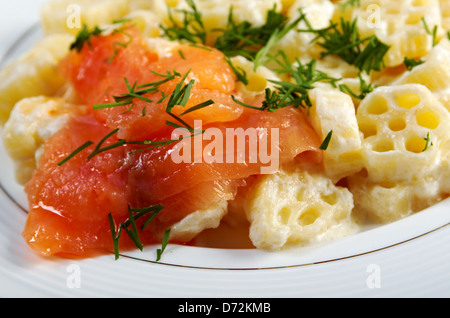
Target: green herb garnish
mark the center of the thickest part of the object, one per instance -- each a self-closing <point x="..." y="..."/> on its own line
<point x="192" y="28"/>
<point x="74" y="153"/>
<point x="129" y="225"/>
<point x="411" y="63"/>
<point x="293" y="93"/>
<point x="117" y="45"/>
<point x="433" y="32"/>
<point x="165" y="241"/>
<point x="326" y="141"/>
<point x="428" y="143"/>
<point x="364" y="88"/>
<point x="84" y="37"/>
<point x="343" y="40"/>
<point x="246" y="40"/>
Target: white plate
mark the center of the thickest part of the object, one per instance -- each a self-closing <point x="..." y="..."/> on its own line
<point x="409" y="258"/>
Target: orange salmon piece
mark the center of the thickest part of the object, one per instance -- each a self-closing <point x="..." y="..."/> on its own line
<point x="97" y="81"/>
<point x="70" y="203"/>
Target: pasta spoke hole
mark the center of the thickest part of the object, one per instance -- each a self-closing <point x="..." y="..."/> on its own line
<point x="284" y="215"/>
<point x="414" y="18"/>
<point x="407" y="101"/>
<point x="368" y="129"/>
<point x="397" y="124"/>
<point x="309" y="216"/>
<point x="428" y="119"/>
<point x="331" y="198"/>
<point x="415" y="144"/>
<point x="378" y="106"/>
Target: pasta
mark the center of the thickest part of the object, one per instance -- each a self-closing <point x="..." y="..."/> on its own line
<point x="33" y="74"/>
<point x="297" y="206"/>
<point x="400" y="25"/>
<point x="334" y="111"/>
<point x="32" y="121"/>
<point x="433" y="73"/>
<point x="386" y="113"/>
<point x="396" y="121"/>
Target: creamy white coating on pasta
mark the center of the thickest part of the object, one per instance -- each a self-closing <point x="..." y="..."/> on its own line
<point x="297" y="206"/>
<point x="389" y="155"/>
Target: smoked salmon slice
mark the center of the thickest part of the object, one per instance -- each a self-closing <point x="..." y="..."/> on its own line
<point x="71" y="195"/>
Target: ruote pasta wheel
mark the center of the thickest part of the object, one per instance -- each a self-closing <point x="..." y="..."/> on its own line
<point x="398" y="24"/>
<point x="404" y="127"/>
<point x="405" y="150"/>
<point x="297" y="206"/>
<point x="385" y="202"/>
<point x="434" y="73"/>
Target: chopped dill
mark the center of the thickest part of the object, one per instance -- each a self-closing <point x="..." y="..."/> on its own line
<point x="326" y="141"/>
<point x="191" y="29"/>
<point x="179" y="97"/>
<point x="428" y="142"/>
<point x="74" y="153"/>
<point x="235" y="39"/>
<point x="147" y="88"/>
<point x="133" y="215"/>
<point x="165" y="241"/>
<point x="246" y="40"/>
<point x="241" y="75"/>
<point x="292" y="93"/>
<point x="343" y="40"/>
<point x="433" y="32"/>
<point x="84" y="37"/>
<point x="364" y="88"/>
<point x="411" y="63"/>
<point x="117" y="45"/>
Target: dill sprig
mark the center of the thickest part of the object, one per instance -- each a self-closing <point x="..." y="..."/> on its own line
<point x="84" y="37"/>
<point x="179" y="97"/>
<point x="326" y="141"/>
<point x="411" y="63"/>
<point x="191" y="29"/>
<point x="244" y="39"/>
<point x="293" y="93"/>
<point x="364" y="88"/>
<point x="129" y="226"/>
<point x="117" y="44"/>
<point x="343" y="40"/>
<point x="165" y="241"/>
<point x="138" y="91"/>
<point x="428" y="142"/>
<point x="433" y="32"/>
<point x="249" y="41"/>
